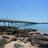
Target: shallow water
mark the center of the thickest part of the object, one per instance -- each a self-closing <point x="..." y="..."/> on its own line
<point x="40" y="27"/>
<point x="43" y="28"/>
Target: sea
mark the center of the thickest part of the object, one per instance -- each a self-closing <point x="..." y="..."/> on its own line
<point x="43" y="28"/>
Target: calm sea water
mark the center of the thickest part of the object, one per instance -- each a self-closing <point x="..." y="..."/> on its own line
<point x="43" y="28"/>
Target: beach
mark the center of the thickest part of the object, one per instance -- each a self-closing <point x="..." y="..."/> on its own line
<point x="30" y="39"/>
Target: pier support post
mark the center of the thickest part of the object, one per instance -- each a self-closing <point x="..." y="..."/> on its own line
<point x="8" y="24"/>
<point x="4" y="23"/>
<point x="12" y="24"/>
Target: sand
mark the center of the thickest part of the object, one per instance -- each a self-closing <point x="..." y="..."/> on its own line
<point x="22" y="44"/>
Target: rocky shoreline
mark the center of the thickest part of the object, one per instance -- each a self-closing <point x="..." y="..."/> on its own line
<point x="27" y="37"/>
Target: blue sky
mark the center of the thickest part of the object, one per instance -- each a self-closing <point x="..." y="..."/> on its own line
<point x="31" y="10"/>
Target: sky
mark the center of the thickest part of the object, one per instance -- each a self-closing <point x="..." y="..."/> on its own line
<point x="27" y="10"/>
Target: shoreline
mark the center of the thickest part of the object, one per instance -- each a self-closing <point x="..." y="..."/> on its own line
<point x="33" y="36"/>
<point x="42" y="32"/>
